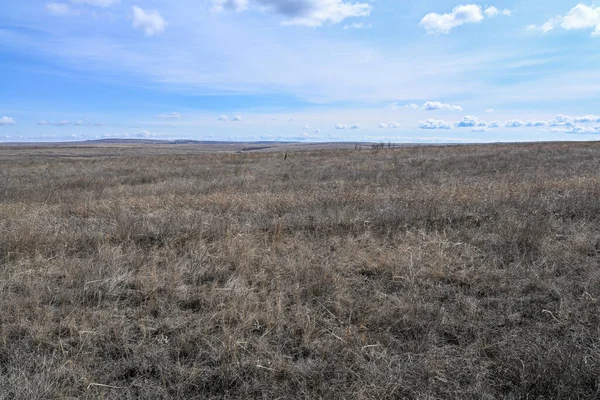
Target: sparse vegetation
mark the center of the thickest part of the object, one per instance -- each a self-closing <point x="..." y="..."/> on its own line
<point x="417" y="273"/>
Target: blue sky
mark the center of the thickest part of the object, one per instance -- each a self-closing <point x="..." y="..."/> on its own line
<point x="385" y="70"/>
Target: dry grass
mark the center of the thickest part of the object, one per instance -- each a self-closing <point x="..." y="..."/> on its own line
<point x="419" y="273"/>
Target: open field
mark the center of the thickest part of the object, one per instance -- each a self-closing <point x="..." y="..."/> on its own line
<point x="146" y="148"/>
<point x="467" y="272"/>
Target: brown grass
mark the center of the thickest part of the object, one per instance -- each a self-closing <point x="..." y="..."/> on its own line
<point x="417" y="273"/>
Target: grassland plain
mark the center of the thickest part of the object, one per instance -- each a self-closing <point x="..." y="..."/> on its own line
<point x="467" y="272"/>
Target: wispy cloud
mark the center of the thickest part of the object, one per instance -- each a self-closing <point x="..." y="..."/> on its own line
<point x="173" y="115"/>
<point x="96" y="3"/>
<point x="514" y="123"/>
<point x="61" y="9"/>
<point x="225" y="118"/>
<point x="578" y="129"/>
<point x="536" y="124"/>
<point x="75" y="7"/>
<point x="358" y="25"/>
<point x="146" y="134"/>
<point x="427" y="106"/>
<point x="492" y="11"/>
<point x="391" y="124"/>
<point x="579" y="17"/>
<point x="310" y="13"/>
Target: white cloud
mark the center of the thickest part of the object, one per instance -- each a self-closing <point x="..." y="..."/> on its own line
<point x="317" y="131"/>
<point x="311" y="13"/>
<point x="427" y="106"/>
<point x="489" y="110"/>
<point x="535" y="124"/>
<point x="7" y="121"/>
<point x="43" y="122"/>
<point x="436" y="105"/>
<point x="493" y="124"/>
<point x="78" y="123"/>
<point x="323" y="11"/>
<point x="561" y="120"/>
<point x="567" y="120"/>
<point x="586" y="118"/>
<point x="480" y="129"/>
<point x="460" y="15"/>
<point x="340" y="126"/>
<point x="470" y="122"/>
<point x="225" y="118"/>
<point x="151" y="22"/>
<point x="579" y="129"/>
<point x="173" y="115"/>
<point x="146" y="134"/>
<point x="434" y="124"/>
<point x="306" y="127"/>
<point x="551" y="24"/>
<point x="355" y="126"/>
<point x="236" y="5"/>
<point x="392" y="125"/>
<point x="396" y="106"/>
<point x="62" y="123"/>
<point x="580" y="17"/>
<point x="514" y="123"/>
<point x="548" y="26"/>
<point x="492" y="11"/>
<point x="60" y="9"/>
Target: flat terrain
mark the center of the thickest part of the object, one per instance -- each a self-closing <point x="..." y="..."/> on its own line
<point x="147" y="148"/>
<point x="467" y="272"/>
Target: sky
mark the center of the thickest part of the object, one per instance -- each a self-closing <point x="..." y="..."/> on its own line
<point x="300" y="70"/>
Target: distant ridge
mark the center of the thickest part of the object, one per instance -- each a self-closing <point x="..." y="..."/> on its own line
<point x="179" y="141"/>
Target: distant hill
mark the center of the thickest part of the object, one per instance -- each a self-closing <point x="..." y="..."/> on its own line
<point x="179" y="141"/>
